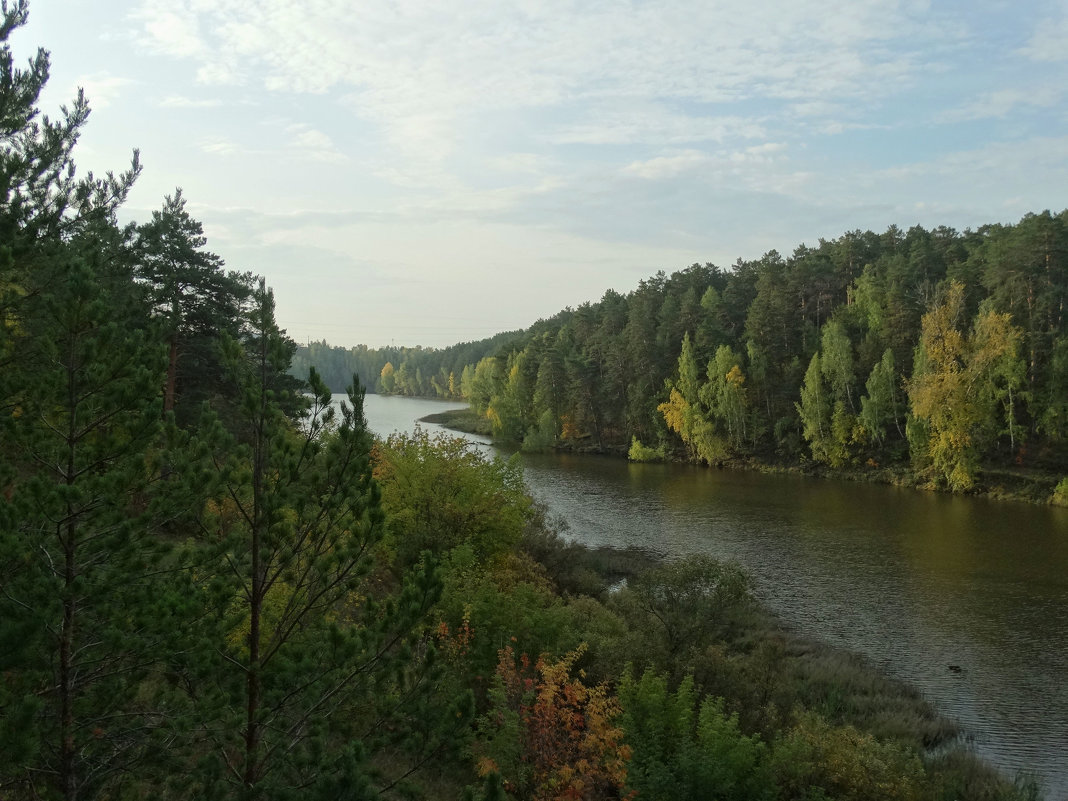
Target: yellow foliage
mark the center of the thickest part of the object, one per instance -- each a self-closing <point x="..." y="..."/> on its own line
<point x="568" y="429"/>
<point x="675" y="411"/>
<point x="222" y="516"/>
<point x="846" y="763"/>
<point x="955" y="392"/>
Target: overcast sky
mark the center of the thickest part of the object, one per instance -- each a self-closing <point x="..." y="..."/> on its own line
<point x="428" y="172"/>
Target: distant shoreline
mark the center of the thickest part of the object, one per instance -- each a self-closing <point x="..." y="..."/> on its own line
<point x="997" y="484"/>
<point x="465" y="420"/>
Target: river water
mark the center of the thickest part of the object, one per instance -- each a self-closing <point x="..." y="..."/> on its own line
<point x="915" y="581"/>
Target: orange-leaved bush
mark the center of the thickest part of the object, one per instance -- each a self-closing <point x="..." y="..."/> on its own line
<point x="549" y="735"/>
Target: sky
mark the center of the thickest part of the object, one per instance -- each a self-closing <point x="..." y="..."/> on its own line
<point x="420" y="172"/>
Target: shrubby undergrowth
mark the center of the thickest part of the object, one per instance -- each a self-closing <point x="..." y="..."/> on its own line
<point x="600" y="673"/>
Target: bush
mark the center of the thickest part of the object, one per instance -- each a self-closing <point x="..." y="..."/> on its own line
<point x="642" y="453"/>
<point x="541" y="437"/>
<point x="682" y="749"/>
<point x="439" y="492"/>
<point x="815" y="759"/>
<point x="683" y="605"/>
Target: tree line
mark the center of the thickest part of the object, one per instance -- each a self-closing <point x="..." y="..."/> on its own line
<point x="397" y="370"/>
<point x="931" y="353"/>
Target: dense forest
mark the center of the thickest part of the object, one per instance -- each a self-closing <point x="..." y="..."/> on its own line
<point x="216" y="584"/>
<point x="935" y="354"/>
<point x="414" y="371"/>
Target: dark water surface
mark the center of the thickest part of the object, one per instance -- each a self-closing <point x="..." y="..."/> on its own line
<point x="915" y="581"/>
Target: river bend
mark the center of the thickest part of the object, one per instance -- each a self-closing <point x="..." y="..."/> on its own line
<point x="915" y="581"/>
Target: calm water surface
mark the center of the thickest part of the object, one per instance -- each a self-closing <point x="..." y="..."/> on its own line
<point x="915" y="581"/>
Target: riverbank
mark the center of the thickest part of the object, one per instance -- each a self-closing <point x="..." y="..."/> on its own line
<point x="1025" y="485"/>
<point x="1003" y="484"/>
<point x="783" y="687"/>
<point x="465" y="421"/>
<point x="915" y="582"/>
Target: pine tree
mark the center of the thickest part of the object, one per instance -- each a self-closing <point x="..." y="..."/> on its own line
<point x="193" y="296"/>
<point x="304" y="657"/>
<point x="83" y="611"/>
<point x="80" y="598"/>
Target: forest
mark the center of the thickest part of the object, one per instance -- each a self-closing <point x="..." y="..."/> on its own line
<point x="937" y="358"/>
<point x="216" y="584"/>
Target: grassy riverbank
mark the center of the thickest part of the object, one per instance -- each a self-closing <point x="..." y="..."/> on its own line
<point x="464" y="420"/>
<point x="642" y="673"/>
<point x="852" y="725"/>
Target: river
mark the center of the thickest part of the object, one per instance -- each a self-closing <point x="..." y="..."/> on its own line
<point x="915" y="581"/>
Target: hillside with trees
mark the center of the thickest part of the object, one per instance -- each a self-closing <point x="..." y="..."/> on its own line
<point x="933" y="357"/>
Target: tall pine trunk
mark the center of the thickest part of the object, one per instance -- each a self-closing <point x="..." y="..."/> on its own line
<point x="256" y="597"/>
<point x="172" y="374"/>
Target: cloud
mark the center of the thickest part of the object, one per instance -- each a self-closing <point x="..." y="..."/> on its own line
<point x="218" y="146"/>
<point x="738" y="162"/>
<point x="522" y="163"/>
<point x="301" y="142"/>
<point x="622" y="121"/>
<point x="102" y="87"/>
<point x="994" y="162"/>
<point x="1049" y="42"/>
<point x="171" y="29"/>
<point x="220" y="73"/>
<point x="662" y="167"/>
<point x="307" y="142"/>
<point x="1002" y="102"/>
<point x="423" y="71"/>
<point x="644" y="123"/>
<point x="177" y="101"/>
<point x="969" y="187"/>
<point x="763" y="153"/>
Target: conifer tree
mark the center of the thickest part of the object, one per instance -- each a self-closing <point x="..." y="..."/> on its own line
<point x="193" y="296"/>
<point x="79" y="426"/>
<point x="305" y="668"/>
<point x="82" y="590"/>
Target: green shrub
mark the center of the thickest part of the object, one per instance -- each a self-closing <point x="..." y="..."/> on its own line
<point x="682" y="749"/>
<point x="541" y="437"/>
<point x="843" y="763"/>
<point x="643" y="453"/>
